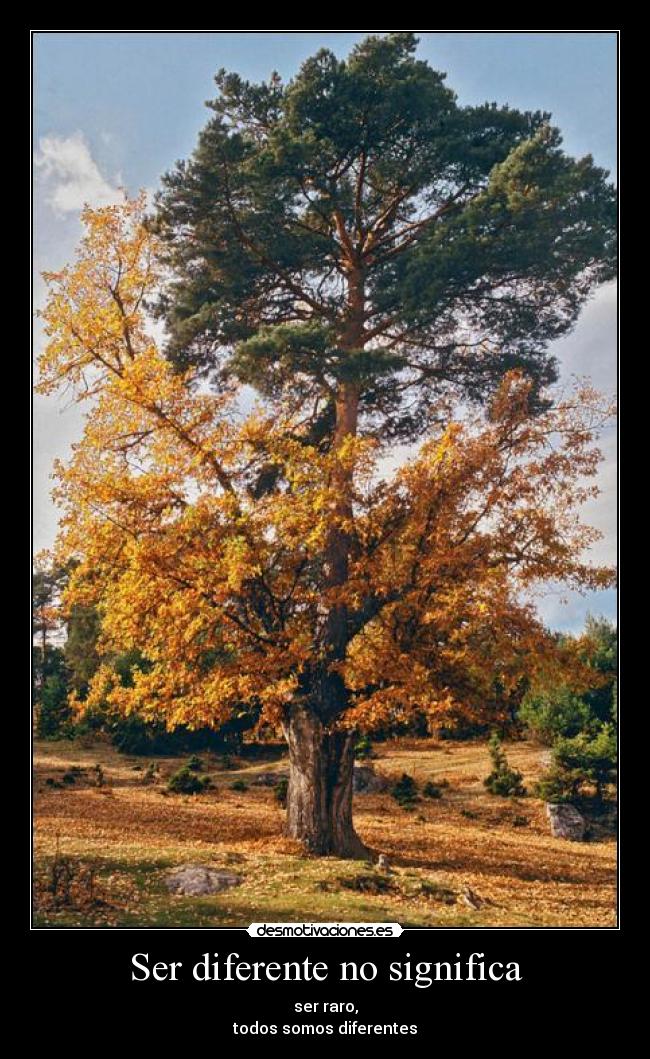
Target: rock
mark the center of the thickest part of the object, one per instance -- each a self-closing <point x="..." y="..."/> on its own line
<point x="269" y="779"/>
<point x="195" y="880"/>
<point x="566" y="822"/>
<point x="366" y="781"/>
<point x="383" y="863"/>
<point x="362" y="776"/>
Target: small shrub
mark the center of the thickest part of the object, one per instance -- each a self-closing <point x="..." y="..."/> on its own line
<point x="432" y="790"/>
<point x="281" y="790"/>
<point x="520" y="821"/>
<point x="239" y="785"/>
<point x="405" y="791"/>
<point x="69" y="778"/>
<point x="186" y="782"/>
<point x="195" y="764"/>
<point x="557" y="785"/>
<point x="583" y="766"/>
<point x="503" y="780"/>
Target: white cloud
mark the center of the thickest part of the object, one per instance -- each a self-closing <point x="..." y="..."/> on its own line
<point x="590" y="349"/>
<point x="69" y="175"/>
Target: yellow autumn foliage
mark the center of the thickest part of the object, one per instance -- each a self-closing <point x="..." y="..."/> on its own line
<point x="222" y="590"/>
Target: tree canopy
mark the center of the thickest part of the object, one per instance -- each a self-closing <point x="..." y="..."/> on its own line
<point x="358" y="224"/>
<point x="224" y="591"/>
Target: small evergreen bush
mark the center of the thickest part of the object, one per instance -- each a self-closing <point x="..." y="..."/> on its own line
<point x="503" y="780"/>
<point x="583" y="766"/>
<point x="187" y="782"/>
<point x="405" y="791"/>
<point x="432" y="790"/>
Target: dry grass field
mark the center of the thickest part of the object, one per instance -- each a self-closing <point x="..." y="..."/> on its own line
<point x="118" y="839"/>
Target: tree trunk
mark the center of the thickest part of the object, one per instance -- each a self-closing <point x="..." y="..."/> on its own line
<point x="319" y="798"/>
<point x="321" y="757"/>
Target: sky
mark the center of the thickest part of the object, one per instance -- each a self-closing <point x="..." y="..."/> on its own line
<point x="116" y="110"/>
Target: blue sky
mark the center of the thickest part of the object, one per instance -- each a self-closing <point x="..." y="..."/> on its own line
<point x="146" y="90"/>
<point x="117" y="109"/>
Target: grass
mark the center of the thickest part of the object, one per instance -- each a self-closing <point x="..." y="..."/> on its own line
<point x="128" y="832"/>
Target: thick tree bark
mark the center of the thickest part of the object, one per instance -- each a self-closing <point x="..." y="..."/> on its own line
<point x="321" y="757"/>
<point x="319" y="798"/>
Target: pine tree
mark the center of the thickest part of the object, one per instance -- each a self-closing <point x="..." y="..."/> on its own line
<point x="356" y="245"/>
<point x="355" y="241"/>
<point x="502" y="780"/>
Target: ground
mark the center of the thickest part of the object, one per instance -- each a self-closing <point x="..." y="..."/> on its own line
<point x="116" y="840"/>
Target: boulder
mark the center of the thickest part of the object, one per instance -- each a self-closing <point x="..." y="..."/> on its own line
<point x="566" y="822"/>
<point x="195" y="880"/>
<point x="366" y="781"/>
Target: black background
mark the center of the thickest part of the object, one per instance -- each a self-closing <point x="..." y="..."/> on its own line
<point x="575" y="969"/>
<point x="574" y="981"/>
